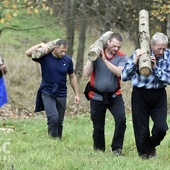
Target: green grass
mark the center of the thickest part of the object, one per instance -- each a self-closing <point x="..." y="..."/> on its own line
<point x="31" y="148"/>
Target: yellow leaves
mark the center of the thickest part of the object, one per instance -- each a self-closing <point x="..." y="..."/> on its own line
<point x="36" y="11"/>
<point x="15" y="14"/>
<point x="43" y="6"/>
<point x="160" y="11"/>
<point x="14" y="7"/>
<point x="8" y="16"/>
<point x="47" y="8"/>
<point x="29" y="11"/>
<point x="11" y="8"/>
<point x="6" y="3"/>
<point x="51" y="11"/>
<point x="2" y="20"/>
<point x="30" y="3"/>
<point x="32" y="10"/>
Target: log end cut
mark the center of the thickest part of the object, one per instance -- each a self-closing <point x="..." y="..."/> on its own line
<point x="145" y="71"/>
<point x="92" y="56"/>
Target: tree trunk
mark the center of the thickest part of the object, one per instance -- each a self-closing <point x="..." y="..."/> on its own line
<point x="82" y="39"/>
<point x="168" y="29"/>
<point x="144" y="60"/>
<point x="70" y="26"/>
<point x="108" y="24"/>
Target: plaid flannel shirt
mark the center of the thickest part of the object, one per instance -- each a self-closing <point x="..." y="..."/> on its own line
<point x="159" y="77"/>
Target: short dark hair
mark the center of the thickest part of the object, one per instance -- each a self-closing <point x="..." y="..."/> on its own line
<point x="116" y="36"/>
<point x="62" y="42"/>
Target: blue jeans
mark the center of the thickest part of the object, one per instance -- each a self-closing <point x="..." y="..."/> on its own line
<point x="55" y="111"/>
<point x="98" y="115"/>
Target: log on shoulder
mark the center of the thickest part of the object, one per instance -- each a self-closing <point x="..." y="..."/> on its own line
<point x="144" y="38"/>
<point x="98" y="45"/>
<point x="39" y="52"/>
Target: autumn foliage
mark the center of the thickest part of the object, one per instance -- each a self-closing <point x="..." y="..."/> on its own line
<point x="10" y="8"/>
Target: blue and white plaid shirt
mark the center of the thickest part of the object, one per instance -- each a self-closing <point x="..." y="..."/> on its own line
<point x="159" y="78"/>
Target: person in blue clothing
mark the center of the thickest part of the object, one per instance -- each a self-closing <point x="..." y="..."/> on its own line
<point x="52" y="93"/>
<point x="3" y="91"/>
<point x="149" y="98"/>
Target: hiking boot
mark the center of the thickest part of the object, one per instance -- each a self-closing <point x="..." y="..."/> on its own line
<point x="144" y="156"/>
<point x="153" y="152"/>
<point x="118" y="152"/>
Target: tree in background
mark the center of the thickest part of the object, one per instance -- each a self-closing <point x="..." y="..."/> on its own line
<point x="77" y="15"/>
<point x="123" y="15"/>
<point x="82" y="39"/>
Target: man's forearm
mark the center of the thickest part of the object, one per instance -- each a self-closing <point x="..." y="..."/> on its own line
<point x="88" y="68"/>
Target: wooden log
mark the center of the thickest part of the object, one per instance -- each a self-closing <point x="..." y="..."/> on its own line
<point x="98" y="45"/>
<point x="39" y="52"/>
<point x="144" y="38"/>
<point x="1" y="61"/>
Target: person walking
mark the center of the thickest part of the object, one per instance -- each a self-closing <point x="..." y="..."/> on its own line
<point x="52" y="93"/>
<point x="149" y="98"/>
<point x="104" y="92"/>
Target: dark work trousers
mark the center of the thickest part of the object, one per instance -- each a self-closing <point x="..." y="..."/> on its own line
<point x="55" y="111"/>
<point x="98" y="114"/>
<point x="146" y="104"/>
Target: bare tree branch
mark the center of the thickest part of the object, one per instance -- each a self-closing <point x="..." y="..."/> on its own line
<point x="25" y="29"/>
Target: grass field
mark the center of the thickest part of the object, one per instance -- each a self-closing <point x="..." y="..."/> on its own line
<point x="27" y="146"/>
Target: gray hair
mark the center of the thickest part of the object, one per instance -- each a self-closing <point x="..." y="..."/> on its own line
<point x="159" y="37"/>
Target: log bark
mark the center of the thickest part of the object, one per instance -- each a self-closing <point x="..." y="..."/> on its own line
<point x="98" y="45"/>
<point x="144" y="38"/>
<point x="39" y="52"/>
<point x="168" y="29"/>
<point x="1" y="61"/>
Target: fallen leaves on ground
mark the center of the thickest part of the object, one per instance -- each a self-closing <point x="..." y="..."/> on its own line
<point x="7" y="111"/>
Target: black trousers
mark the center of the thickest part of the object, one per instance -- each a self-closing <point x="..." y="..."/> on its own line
<point x="98" y="114"/>
<point x="149" y="104"/>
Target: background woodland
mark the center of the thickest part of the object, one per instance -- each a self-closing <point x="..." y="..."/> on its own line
<point x="24" y="23"/>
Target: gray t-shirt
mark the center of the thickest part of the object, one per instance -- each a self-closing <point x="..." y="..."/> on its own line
<point x="103" y="79"/>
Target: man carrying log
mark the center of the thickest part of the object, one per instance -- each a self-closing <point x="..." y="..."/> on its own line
<point x="52" y="92"/>
<point x="104" y="91"/>
<point x="149" y="95"/>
